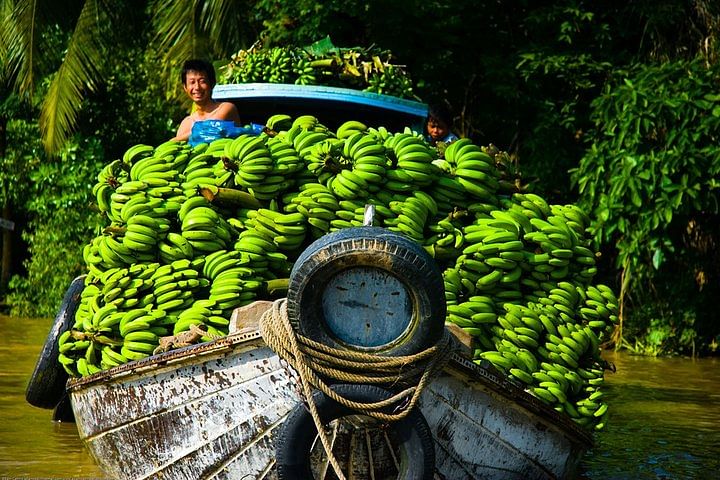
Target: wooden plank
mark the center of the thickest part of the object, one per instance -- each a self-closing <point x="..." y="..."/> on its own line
<point x="129" y="399"/>
<point x="179" y="440"/>
<point x="465" y="418"/>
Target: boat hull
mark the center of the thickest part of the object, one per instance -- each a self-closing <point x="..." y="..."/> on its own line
<point x="211" y="411"/>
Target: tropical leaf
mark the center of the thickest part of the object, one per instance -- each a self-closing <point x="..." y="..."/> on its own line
<point x="18" y="37"/>
<point x="79" y="73"/>
<point x="177" y="37"/>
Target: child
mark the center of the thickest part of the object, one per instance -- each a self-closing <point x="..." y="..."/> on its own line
<point x="439" y="123"/>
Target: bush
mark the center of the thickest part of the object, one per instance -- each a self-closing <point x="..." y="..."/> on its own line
<point x="650" y="178"/>
<point x="60" y="220"/>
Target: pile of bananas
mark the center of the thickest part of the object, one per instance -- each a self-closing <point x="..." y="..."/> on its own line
<point x="361" y="69"/>
<point x="518" y="271"/>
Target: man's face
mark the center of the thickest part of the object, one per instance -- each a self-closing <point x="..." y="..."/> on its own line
<point x="197" y="86"/>
<point x="437" y="129"/>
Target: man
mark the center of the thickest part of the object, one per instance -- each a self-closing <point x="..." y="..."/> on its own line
<point x="209" y="119"/>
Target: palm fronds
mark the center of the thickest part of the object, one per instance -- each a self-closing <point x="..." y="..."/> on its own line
<point x="78" y="74"/>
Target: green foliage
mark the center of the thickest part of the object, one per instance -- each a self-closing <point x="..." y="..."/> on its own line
<point x="651" y="179"/>
<point x="21" y="156"/>
<point x="131" y="106"/>
<point x="60" y="221"/>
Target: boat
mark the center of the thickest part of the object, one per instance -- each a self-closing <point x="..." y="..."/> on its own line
<point x="211" y="410"/>
<point x="221" y="409"/>
<point x="216" y="410"/>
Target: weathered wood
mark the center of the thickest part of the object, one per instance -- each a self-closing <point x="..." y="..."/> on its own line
<point x="187" y="420"/>
<point x="211" y="411"/>
<point x="465" y="342"/>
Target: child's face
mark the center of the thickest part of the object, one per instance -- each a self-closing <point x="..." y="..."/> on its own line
<point x="437" y="129"/>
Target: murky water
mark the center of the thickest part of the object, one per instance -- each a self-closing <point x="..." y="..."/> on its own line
<point x="664" y="420"/>
<point x="664" y="423"/>
<point x="31" y="444"/>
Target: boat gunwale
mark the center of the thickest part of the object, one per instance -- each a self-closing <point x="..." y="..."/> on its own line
<point x="458" y="366"/>
<point x="324" y="93"/>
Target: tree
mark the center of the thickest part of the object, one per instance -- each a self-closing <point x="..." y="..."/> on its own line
<point x="96" y="28"/>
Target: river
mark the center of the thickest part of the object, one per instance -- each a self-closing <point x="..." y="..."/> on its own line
<point x="664" y="418"/>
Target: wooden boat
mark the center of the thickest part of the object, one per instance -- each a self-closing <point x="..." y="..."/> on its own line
<point x="214" y="410"/>
<point x="211" y="410"/>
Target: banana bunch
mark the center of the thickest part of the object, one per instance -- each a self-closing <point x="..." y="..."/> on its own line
<point x="280" y="66"/>
<point x="317" y="204"/>
<point x="447" y="238"/>
<point x="600" y="309"/>
<point x="232" y="283"/>
<point x="287" y="230"/>
<point x="352" y="167"/>
<point x="476" y="315"/>
<point x="251" y="158"/>
<point x="304" y="71"/>
<point x="205" y="168"/>
<point x="413" y="159"/>
<point x="279" y="122"/>
<point x="350" y="213"/>
<point x="286" y="160"/>
<point x="350" y="127"/>
<point x="176" y="285"/>
<point x="493" y="256"/>
<point x="258" y="249"/>
<point x="392" y="80"/>
<point x="250" y="68"/>
<point x="305" y="133"/>
<point x="108" y="179"/>
<point x="473" y="169"/>
<point x="203" y="227"/>
<point x="413" y="214"/>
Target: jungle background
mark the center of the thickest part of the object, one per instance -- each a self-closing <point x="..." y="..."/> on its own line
<point x="614" y="105"/>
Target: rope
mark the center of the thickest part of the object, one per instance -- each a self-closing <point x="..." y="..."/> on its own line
<point x="310" y="359"/>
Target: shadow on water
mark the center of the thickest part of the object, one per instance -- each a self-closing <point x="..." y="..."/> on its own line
<point x="664" y="421"/>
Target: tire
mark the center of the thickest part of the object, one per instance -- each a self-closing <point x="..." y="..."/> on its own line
<point x="63" y="411"/>
<point x="47" y="383"/>
<point x="297" y="434"/>
<point x="402" y="271"/>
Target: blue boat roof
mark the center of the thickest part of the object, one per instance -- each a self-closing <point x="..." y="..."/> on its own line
<point x="313" y="94"/>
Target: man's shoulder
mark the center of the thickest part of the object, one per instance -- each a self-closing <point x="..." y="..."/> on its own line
<point x="226" y="111"/>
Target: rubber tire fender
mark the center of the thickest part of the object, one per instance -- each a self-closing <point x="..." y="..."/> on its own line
<point x="298" y="432"/>
<point x="374" y="247"/>
<point x="47" y="382"/>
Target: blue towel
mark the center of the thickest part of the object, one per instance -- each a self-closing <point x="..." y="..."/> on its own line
<point x="205" y="131"/>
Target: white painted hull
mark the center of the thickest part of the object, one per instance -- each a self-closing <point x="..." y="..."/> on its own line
<point x="210" y="411"/>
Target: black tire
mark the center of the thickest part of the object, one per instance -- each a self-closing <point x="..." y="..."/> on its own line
<point x="47" y="383"/>
<point x="297" y="434"/>
<point x="397" y="257"/>
<point x="63" y="411"/>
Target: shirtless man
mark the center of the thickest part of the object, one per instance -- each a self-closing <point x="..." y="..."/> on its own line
<point x="198" y="79"/>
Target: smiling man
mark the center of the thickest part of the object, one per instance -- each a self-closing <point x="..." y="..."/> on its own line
<point x="209" y="118"/>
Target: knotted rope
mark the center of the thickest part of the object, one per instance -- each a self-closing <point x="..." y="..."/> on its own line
<point x="310" y="359"/>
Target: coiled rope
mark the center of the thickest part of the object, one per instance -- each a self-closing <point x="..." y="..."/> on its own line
<point x="311" y="359"/>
